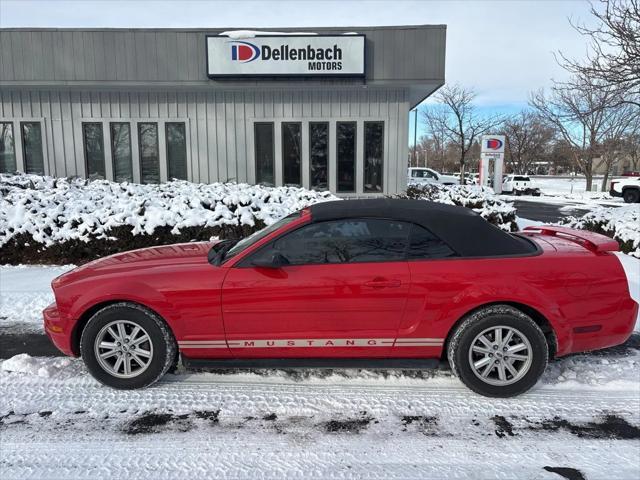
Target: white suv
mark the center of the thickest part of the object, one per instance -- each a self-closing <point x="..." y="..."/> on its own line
<point x="423" y="175"/>
<point x="628" y="189"/>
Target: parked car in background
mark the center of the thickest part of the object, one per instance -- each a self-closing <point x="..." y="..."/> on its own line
<point x="628" y="189"/>
<point x="423" y="175"/>
<point x="379" y="283"/>
<point x="519" y="185"/>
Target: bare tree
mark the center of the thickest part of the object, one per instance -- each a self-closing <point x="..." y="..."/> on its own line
<point x="614" y="57"/>
<point x="623" y="122"/>
<point x="631" y="149"/>
<point x="528" y="139"/>
<point x="436" y="138"/>
<point x="456" y="116"/>
<point x="583" y="115"/>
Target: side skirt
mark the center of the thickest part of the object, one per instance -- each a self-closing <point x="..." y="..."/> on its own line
<point x="390" y="363"/>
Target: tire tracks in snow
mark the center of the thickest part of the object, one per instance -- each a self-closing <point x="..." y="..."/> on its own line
<point x="235" y="426"/>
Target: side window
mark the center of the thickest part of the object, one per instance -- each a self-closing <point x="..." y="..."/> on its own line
<point x="264" y="152"/>
<point x="149" y="156"/>
<point x="176" y="150"/>
<point x="424" y="244"/>
<point x="93" y="140"/>
<point x="32" y="147"/>
<point x="7" y="148"/>
<point x="341" y="241"/>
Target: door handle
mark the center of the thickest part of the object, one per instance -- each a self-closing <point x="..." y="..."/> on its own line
<point x="382" y="283"/>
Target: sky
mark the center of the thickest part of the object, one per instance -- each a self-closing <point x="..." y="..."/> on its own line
<point x="501" y="49"/>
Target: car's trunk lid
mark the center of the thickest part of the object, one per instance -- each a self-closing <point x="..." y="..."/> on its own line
<point x="564" y="239"/>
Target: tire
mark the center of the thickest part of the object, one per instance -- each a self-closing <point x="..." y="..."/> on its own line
<point x="484" y="322"/>
<point x="631" y="195"/>
<point x="143" y="331"/>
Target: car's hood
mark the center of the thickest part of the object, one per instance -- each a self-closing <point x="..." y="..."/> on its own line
<point x="165" y="255"/>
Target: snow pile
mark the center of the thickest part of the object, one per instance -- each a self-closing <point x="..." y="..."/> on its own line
<point x="620" y="223"/>
<point x="481" y="199"/>
<point x="25" y="290"/>
<point x="51" y="210"/>
<point x="26" y="364"/>
<point x="631" y="268"/>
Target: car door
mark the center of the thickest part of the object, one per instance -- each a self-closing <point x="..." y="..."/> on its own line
<point x="342" y="293"/>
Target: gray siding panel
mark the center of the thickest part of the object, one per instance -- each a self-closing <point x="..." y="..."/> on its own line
<point x="150" y="55"/>
<point x="219" y="123"/>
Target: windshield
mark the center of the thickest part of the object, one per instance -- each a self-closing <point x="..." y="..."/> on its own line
<point x="259" y="235"/>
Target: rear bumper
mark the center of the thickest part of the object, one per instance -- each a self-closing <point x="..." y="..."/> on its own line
<point x="614" y="331"/>
<point x="56" y="330"/>
<point x="613" y="193"/>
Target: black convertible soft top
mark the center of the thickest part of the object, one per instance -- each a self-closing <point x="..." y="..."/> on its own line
<point x="463" y="229"/>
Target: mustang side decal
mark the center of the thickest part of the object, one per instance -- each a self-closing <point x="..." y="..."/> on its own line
<point x="314" y="342"/>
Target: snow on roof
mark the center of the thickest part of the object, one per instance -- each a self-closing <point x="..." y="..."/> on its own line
<point x="235" y="34"/>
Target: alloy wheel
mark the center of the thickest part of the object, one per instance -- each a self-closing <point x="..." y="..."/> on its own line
<point x="123" y="349"/>
<point x="500" y="355"/>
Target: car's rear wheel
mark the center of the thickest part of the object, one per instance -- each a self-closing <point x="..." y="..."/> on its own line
<point x="498" y="351"/>
<point x="127" y="346"/>
<point x="631" y="195"/>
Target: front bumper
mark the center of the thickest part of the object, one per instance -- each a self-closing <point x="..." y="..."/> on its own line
<point x="56" y="330"/>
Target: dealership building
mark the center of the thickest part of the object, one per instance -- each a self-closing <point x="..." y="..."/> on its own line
<point x="326" y="108"/>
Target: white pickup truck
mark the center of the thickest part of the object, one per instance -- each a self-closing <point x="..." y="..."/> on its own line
<point x="423" y="175"/>
<point x="519" y="185"/>
<point x="628" y="189"/>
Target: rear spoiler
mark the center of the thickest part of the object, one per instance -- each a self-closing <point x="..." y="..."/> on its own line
<point x="590" y="240"/>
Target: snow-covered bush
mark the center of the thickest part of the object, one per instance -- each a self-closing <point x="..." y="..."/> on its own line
<point x="619" y="223"/>
<point x="482" y="200"/>
<point x="73" y="220"/>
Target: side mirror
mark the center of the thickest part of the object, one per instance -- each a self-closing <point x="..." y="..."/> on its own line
<point x="277" y="260"/>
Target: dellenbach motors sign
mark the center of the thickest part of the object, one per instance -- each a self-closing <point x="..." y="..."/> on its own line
<point x="279" y="55"/>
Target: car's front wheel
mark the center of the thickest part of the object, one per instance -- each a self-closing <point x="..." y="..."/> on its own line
<point x="127" y="346"/>
<point x="498" y="351"/>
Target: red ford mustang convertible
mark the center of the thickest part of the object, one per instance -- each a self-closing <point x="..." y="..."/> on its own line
<point x="354" y="283"/>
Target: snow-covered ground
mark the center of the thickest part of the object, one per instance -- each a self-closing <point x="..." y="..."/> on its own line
<point x="569" y="191"/>
<point x="57" y="422"/>
<point x="571" y="187"/>
<point x="25" y="290"/>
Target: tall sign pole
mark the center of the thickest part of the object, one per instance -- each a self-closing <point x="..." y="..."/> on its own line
<point x="492" y="149"/>
<point x="415" y="138"/>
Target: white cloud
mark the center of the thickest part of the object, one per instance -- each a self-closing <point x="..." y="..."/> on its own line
<point x="504" y="49"/>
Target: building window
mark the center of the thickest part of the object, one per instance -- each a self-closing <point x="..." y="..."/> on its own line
<point x="292" y="152"/>
<point x="149" y="160"/>
<point x="93" y="150"/>
<point x="121" y="151"/>
<point x="7" y="148"/>
<point x="319" y="154"/>
<point x="176" y="150"/>
<point x="264" y="153"/>
<point x="373" y="156"/>
<point x="346" y="146"/>
<point x="32" y="147"/>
